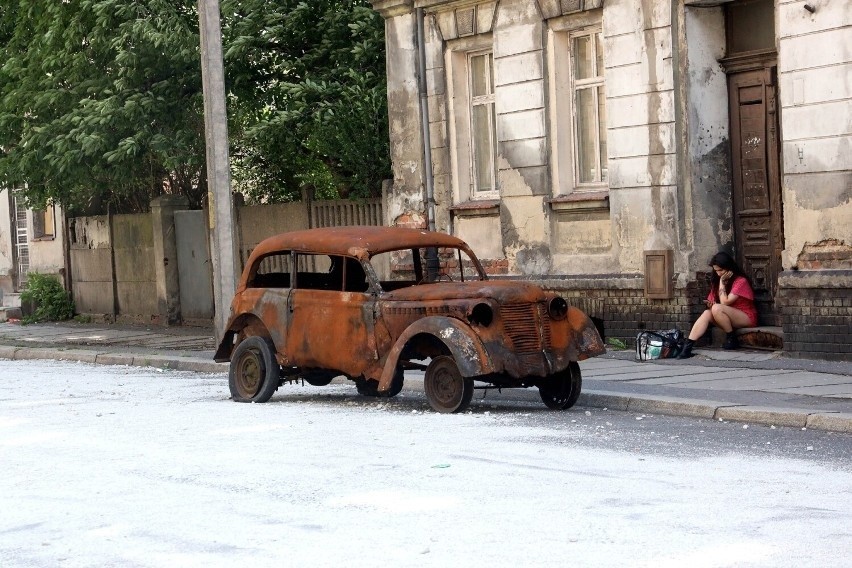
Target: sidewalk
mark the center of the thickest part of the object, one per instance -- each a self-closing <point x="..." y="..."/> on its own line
<point x="756" y="387"/>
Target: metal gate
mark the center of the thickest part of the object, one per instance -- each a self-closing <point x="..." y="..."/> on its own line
<point x="22" y="246"/>
<point x="195" y="272"/>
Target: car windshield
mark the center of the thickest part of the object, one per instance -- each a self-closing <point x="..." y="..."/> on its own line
<point x="411" y="267"/>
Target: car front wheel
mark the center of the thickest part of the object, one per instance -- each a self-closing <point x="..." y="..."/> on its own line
<point x="254" y="373"/>
<point x="446" y="389"/>
<point x="561" y="390"/>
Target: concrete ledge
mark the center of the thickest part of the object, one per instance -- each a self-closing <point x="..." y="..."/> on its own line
<point x="29" y="353"/>
<point x="597" y="399"/>
<point x="764" y="415"/>
<point x="8" y="352"/>
<point x="834" y="421"/>
<point x="673" y="406"/>
<point x="114" y="359"/>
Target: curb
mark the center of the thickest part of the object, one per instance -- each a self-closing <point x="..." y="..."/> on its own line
<point x="694" y="408"/>
<point x="665" y="405"/>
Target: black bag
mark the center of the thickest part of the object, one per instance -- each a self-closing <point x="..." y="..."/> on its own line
<point x="658" y="344"/>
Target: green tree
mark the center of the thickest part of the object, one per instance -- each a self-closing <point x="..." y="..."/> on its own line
<point x="101" y="105"/>
<point x="309" y="97"/>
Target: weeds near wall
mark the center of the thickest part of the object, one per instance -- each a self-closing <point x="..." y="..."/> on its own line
<point x="50" y="300"/>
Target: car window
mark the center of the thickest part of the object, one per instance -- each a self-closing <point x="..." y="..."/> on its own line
<point x="272" y="271"/>
<point x="330" y="272"/>
<point x="410" y="267"/>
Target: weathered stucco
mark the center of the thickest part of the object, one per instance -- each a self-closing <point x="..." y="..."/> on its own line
<point x="668" y="136"/>
<point x="814" y="58"/>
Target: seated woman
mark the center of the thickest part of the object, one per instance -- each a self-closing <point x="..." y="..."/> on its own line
<point x="730" y="304"/>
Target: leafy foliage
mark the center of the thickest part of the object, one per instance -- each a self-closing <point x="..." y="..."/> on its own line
<point x="309" y="103"/>
<point x="52" y="302"/>
<point x="101" y="104"/>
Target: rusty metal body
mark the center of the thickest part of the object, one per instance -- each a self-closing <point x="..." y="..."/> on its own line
<point x="502" y="332"/>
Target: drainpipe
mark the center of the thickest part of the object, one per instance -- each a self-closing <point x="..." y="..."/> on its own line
<point x="424" y="121"/>
<point x="432" y="265"/>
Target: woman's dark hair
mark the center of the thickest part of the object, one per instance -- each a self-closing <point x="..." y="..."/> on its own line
<point x="725" y="261"/>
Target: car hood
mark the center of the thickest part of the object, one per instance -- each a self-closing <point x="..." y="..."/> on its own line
<point x="502" y="291"/>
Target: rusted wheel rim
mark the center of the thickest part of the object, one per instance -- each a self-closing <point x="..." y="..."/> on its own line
<point x="249" y="374"/>
<point x="446" y="386"/>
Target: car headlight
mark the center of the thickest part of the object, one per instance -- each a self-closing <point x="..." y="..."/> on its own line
<point x="481" y="314"/>
<point x="557" y="308"/>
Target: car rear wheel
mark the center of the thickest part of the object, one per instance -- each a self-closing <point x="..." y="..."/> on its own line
<point x="370" y="387"/>
<point x="446" y="389"/>
<point x="254" y="374"/>
<point x="561" y="390"/>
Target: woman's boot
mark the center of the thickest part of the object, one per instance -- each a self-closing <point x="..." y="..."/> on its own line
<point x="686" y="352"/>
<point x="731" y="341"/>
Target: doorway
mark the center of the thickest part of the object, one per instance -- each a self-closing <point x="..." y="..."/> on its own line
<point x="751" y="67"/>
<point x="758" y="218"/>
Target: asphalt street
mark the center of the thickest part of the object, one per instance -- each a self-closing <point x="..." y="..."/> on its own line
<point x="756" y="387"/>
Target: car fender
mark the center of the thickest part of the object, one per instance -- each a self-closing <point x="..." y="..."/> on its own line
<point x="462" y="342"/>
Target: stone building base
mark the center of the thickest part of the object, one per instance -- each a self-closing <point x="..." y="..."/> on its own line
<point x="816" y="313"/>
<point x="815" y="308"/>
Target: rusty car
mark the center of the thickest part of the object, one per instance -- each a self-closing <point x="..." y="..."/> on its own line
<point x="368" y="303"/>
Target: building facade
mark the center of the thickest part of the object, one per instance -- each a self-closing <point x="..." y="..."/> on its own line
<point x="608" y="148"/>
<point x="31" y="240"/>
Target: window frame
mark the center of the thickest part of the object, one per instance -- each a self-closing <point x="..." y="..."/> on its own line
<point x="456" y="58"/>
<point x="41" y="219"/>
<point x="487" y="100"/>
<point x="563" y="136"/>
<point x="592" y="84"/>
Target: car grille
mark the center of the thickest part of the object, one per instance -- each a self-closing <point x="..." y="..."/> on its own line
<point x="522" y="324"/>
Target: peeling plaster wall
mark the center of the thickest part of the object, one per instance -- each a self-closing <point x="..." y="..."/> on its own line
<point x="708" y="175"/>
<point x="406" y="194"/>
<point x="815" y="91"/>
<point x="48" y="256"/>
<point x="522" y="160"/>
<point x="7" y="267"/>
<point x="641" y="129"/>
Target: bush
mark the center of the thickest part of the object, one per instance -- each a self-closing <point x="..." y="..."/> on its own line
<point x="51" y="301"/>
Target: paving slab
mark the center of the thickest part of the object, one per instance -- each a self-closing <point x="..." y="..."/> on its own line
<point x="725" y="376"/>
<point x="816" y="390"/>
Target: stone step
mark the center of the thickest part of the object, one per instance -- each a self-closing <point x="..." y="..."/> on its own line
<point x="9" y="312"/>
<point x="761" y="337"/>
<point x="11" y="299"/>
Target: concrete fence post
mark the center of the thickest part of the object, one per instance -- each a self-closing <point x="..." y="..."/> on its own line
<point x="165" y="254"/>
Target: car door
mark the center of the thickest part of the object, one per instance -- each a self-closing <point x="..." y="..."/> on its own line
<point x="331" y="317"/>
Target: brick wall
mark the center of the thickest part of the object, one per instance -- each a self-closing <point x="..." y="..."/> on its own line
<point x="816" y="313"/>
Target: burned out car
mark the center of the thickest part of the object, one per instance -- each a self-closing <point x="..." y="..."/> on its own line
<point x="368" y="303"/>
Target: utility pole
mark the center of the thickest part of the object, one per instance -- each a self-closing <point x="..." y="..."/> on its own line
<point x="220" y="202"/>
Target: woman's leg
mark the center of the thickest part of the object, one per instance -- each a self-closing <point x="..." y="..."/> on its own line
<point x="728" y="318"/>
<point x="699" y="328"/>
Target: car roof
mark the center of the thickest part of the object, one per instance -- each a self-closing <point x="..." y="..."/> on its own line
<point x="357" y="241"/>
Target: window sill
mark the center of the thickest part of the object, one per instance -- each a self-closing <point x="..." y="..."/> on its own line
<point x="583" y="202"/>
<point x="479" y="208"/>
<point x="47" y="238"/>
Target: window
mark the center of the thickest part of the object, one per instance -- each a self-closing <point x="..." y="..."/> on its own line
<point x="44" y="227"/>
<point x="577" y="110"/>
<point x="589" y="108"/>
<point x="471" y="119"/>
<point x="483" y="132"/>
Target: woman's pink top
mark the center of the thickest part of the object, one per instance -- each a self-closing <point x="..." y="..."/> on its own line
<point x="745" y="298"/>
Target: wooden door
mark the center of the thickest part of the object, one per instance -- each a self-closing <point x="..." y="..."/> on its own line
<point x="758" y="218"/>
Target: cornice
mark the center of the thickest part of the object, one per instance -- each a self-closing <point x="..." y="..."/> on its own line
<point x="391" y="8"/>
